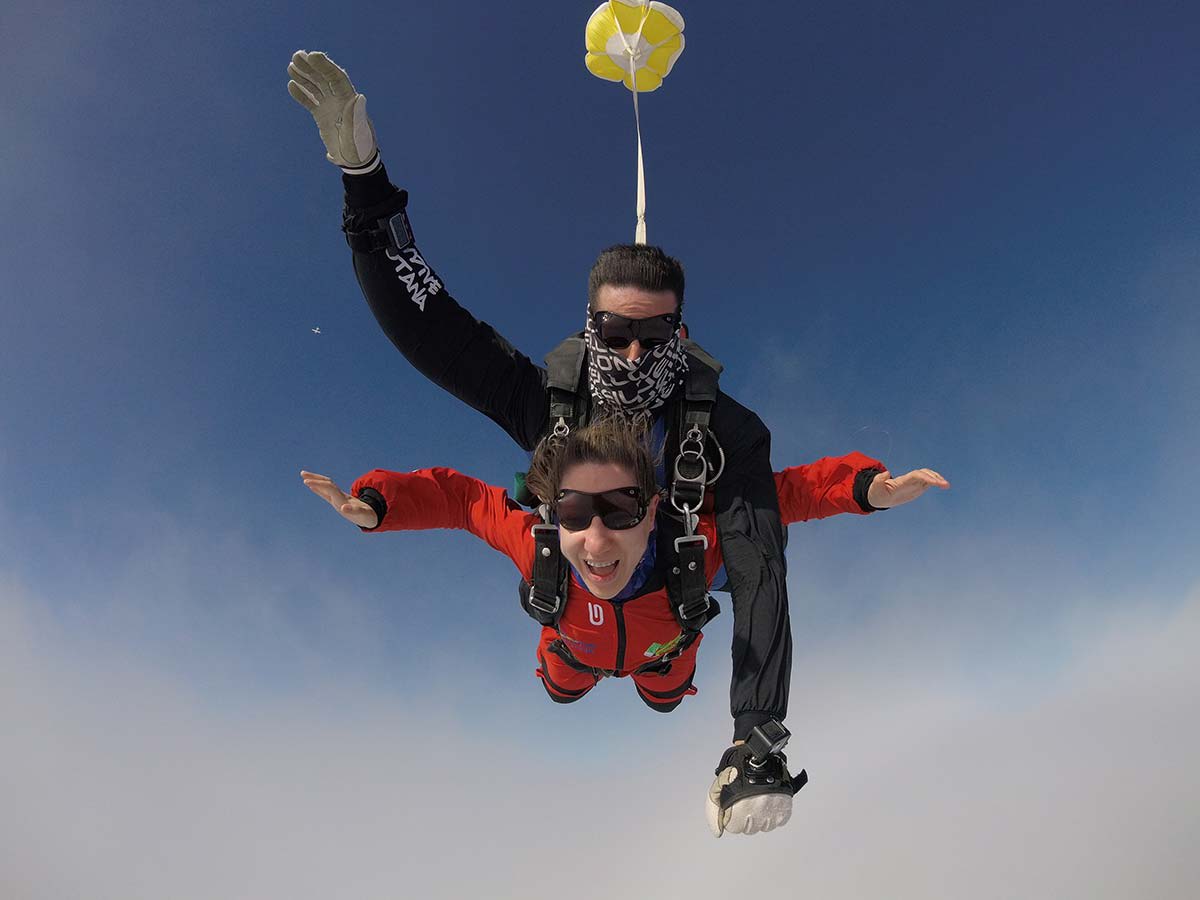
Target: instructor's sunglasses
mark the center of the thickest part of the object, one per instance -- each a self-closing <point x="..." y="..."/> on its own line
<point x="618" y="332"/>
<point x="618" y="509"/>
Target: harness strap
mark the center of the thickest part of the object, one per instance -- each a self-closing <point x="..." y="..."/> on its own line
<point x="703" y="379"/>
<point x="695" y="351"/>
<point x="686" y="587"/>
<point x="691" y="603"/>
<point x="691" y="470"/>
<point x="380" y="226"/>
<point x="563" y="652"/>
<point x="564" y="368"/>
<point x="548" y="588"/>
<point x="771" y="777"/>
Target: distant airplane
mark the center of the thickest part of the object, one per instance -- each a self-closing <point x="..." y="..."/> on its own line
<point x="316" y="331"/>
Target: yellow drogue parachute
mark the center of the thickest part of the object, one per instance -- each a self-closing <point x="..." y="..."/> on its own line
<point x="635" y="42"/>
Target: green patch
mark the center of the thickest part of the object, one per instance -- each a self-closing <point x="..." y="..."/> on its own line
<point x="659" y="649"/>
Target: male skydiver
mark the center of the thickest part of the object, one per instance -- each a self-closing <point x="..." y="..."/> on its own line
<point x="630" y="359"/>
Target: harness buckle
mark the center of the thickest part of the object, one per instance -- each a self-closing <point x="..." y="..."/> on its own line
<point x="541" y="606"/>
<point x="700" y="539"/>
<point x="697" y="609"/>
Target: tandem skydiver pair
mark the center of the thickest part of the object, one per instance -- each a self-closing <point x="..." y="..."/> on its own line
<point x="629" y="377"/>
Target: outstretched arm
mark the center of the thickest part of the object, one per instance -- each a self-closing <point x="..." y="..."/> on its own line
<point x="441" y="339"/>
<point x="432" y="498"/>
<point x="831" y="485"/>
<point x="853" y="483"/>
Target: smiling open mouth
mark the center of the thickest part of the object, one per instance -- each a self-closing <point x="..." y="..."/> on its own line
<point x="601" y="570"/>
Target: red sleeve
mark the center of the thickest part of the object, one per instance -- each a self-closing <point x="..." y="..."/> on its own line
<point x="444" y="498"/>
<point x="822" y="488"/>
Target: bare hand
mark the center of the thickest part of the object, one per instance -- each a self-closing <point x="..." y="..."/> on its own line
<point x="351" y="508"/>
<point x="886" y="491"/>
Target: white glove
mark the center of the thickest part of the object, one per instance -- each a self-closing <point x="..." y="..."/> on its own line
<point x="762" y="812"/>
<point x="323" y="88"/>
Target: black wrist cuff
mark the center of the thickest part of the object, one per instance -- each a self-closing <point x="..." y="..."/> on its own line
<point x="743" y="723"/>
<point x="367" y="190"/>
<point x="375" y="500"/>
<point x="862" y="484"/>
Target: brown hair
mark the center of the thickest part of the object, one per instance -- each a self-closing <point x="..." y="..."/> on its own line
<point x="606" y="440"/>
<point x="636" y="265"/>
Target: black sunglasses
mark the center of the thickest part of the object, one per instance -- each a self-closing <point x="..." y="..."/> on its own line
<point x="618" y="332"/>
<point x="619" y="509"/>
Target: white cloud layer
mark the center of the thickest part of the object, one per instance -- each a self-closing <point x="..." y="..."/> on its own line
<point x="121" y="779"/>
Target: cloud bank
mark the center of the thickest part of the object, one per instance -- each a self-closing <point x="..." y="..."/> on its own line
<point x="123" y="778"/>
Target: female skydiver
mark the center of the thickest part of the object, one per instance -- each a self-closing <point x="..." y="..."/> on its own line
<point x="599" y="486"/>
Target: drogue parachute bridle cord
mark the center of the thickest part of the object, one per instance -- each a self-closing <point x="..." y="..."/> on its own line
<point x="639" y="236"/>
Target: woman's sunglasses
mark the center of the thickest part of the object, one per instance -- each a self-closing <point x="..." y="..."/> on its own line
<point x="618" y="332"/>
<point x="618" y="509"/>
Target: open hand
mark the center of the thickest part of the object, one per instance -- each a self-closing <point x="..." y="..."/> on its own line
<point x="886" y="491"/>
<point x="351" y="508"/>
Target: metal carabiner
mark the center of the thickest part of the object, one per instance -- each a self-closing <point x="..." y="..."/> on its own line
<point x="721" y="456"/>
<point x="690" y="521"/>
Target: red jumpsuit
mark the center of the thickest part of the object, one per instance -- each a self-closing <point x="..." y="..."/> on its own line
<point x="597" y="638"/>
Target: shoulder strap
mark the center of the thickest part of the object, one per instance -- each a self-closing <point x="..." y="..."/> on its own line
<point x="701" y="385"/>
<point x="697" y="352"/>
<point x="546" y="596"/>
<point x="564" y="368"/>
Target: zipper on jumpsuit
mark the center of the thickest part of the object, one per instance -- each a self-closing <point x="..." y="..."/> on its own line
<point x="619" y="609"/>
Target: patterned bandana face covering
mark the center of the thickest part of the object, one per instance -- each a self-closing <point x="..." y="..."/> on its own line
<point x="640" y="386"/>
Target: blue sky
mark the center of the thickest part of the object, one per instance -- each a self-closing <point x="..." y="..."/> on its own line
<point x="958" y="236"/>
